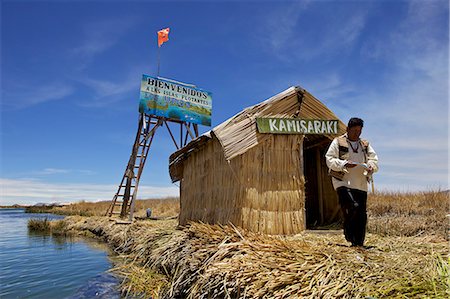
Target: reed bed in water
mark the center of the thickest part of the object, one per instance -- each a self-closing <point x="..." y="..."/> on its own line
<point x="56" y="227"/>
<point x="41" y="225"/>
<point x="161" y="207"/>
<point x="212" y="261"/>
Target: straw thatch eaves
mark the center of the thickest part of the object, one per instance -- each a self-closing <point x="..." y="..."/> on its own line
<point x="235" y="174"/>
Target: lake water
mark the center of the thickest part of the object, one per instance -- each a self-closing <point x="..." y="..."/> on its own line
<point x="42" y="266"/>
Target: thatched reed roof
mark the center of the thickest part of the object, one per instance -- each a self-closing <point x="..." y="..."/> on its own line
<point x="238" y="134"/>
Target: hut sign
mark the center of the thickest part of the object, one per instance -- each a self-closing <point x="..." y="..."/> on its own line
<point x="297" y="126"/>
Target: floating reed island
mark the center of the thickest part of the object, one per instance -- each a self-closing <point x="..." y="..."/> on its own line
<point x="161" y="259"/>
<point x="249" y="216"/>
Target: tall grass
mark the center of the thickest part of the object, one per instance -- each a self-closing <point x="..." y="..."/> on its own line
<point x="39" y="209"/>
<point x="160" y="207"/>
<point x="409" y="214"/>
<point x="390" y="213"/>
<point x="56" y="227"/>
<point x="39" y="225"/>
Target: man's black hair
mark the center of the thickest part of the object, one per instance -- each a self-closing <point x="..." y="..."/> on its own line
<point x="354" y="121"/>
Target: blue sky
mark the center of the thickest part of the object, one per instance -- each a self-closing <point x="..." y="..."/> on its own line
<point x="71" y="71"/>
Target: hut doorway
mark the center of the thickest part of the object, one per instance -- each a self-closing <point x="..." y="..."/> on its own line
<point x="321" y="202"/>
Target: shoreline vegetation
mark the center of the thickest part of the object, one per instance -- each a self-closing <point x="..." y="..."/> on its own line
<point x="407" y="254"/>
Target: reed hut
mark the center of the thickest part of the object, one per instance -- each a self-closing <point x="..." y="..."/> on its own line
<point x="263" y="182"/>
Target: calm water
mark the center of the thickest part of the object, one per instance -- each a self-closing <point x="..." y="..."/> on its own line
<point x="39" y="266"/>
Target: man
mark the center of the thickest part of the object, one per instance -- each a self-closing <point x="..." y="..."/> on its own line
<point x="352" y="161"/>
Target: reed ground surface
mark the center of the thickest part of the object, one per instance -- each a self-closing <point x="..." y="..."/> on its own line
<point x="407" y="254"/>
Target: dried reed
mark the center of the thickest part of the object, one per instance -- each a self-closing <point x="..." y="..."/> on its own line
<point x="203" y="261"/>
<point x="160" y="207"/>
<point x="56" y="227"/>
<point x="409" y="214"/>
<point x="39" y="225"/>
<point x="213" y="261"/>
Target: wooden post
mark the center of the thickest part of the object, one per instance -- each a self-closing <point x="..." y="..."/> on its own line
<point x="126" y="198"/>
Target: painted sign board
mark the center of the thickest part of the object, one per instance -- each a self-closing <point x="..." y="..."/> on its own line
<point x="297" y="126"/>
<point x="175" y="100"/>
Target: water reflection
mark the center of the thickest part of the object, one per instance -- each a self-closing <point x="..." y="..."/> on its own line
<point x="62" y="242"/>
<point x="45" y="238"/>
<point x="101" y="286"/>
<point x="39" y="265"/>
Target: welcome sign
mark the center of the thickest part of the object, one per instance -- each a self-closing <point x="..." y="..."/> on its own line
<point x="297" y="126"/>
<point x="175" y="100"/>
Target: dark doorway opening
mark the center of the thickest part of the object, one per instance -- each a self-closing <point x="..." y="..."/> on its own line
<point x="321" y="202"/>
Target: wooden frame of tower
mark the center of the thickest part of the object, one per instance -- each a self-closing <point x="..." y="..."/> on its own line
<point x="123" y="202"/>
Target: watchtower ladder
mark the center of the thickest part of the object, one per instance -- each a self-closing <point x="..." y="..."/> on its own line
<point x="124" y="200"/>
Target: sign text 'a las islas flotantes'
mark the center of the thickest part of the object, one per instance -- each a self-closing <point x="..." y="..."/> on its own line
<point x="297" y="126"/>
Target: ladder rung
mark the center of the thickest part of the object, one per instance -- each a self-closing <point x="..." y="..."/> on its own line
<point x="138" y="155"/>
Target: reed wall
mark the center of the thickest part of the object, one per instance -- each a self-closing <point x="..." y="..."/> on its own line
<point x="261" y="190"/>
<point x="209" y="191"/>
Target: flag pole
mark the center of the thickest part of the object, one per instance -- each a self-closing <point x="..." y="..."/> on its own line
<point x="157" y="74"/>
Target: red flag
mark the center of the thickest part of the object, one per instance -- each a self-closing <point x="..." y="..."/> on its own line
<point x="163" y="36"/>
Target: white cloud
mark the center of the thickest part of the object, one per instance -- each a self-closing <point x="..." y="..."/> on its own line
<point x="58" y="171"/>
<point x="330" y="86"/>
<point x="100" y="36"/>
<point x="407" y="117"/>
<point x="24" y="96"/>
<point x="108" y="92"/>
<point x="291" y="40"/>
<point x="342" y="35"/>
<point x="29" y="191"/>
<point x="47" y="171"/>
<point x="280" y="27"/>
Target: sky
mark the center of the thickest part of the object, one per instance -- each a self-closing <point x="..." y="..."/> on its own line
<point x="71" y="71"/>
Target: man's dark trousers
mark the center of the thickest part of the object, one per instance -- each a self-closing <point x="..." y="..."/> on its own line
<point x="353" y="205"/>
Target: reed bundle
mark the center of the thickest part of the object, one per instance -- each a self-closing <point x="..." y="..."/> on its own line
<point x="213" y="261"/>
